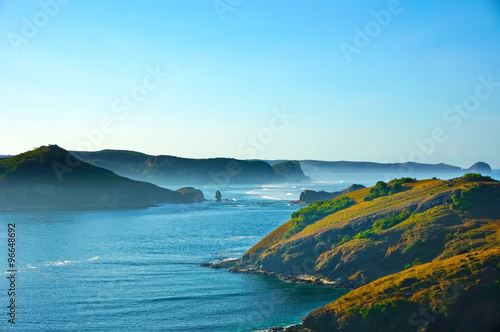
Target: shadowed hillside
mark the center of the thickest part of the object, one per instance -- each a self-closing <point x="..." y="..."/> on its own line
<point x="51" y="177"/>
<point x="172" y="170"/>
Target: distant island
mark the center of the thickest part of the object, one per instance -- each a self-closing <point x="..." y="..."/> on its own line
<point x="397" y="168"/>
<point x="420" y="256"/>
<point x="177" y="170"/>
<point x="51" y="177"/>
<point x="318" y="166"/>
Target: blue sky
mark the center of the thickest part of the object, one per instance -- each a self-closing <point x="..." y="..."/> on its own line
<point x="223" y="70"/>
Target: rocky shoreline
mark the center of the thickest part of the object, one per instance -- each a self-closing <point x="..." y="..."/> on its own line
<point x="229" y="265"/>
<point x="300" y="279"/>
<point x="293" y="328"/>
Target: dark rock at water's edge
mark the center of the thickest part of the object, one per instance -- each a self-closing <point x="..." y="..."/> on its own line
<point x="293" y="328"/>
<point x="223" y="264"/>
<point x="191" y="195"/>
<point x="51" y="177"/>
<point x="311" y="196"/>
<point x="218" y="196"/>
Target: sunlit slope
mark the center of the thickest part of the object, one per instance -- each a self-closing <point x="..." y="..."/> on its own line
<point x="368" y="237"/>
<point x="461" y="293"/>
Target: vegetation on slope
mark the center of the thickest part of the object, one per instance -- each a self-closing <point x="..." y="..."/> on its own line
<point x="461" y="293"/>
<point x="430" y="225"/>
<point x="384" y="189"/>
<point x="315" y="212"/>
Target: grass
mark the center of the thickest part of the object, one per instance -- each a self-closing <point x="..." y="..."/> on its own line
<point x="315" y="212"/>
<point x="438" y="284"/>
<point x="407" y="248"/>
<point x="387" y="230"/>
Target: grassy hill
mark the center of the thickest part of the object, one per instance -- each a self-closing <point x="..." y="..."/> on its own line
<point x="393" y="231"/>
<point x="51" y="177"/>
<point x="461" y="293"/>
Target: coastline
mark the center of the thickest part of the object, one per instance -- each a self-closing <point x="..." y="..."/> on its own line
<point x="228" y="265"/>
<point x="291" y="328"/>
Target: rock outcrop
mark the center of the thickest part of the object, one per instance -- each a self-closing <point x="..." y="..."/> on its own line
<point x="311" y="196"/>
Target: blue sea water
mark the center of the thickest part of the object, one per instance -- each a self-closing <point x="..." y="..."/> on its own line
<point x="136" y="270"/>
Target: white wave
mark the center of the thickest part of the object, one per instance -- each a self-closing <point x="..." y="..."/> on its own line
<point x="66" y="262"/>
<point x="289" y="194"/>
<point x="58" y="263"/>
<point x="273" y="198"/>
<point x="235" y="238"/>
<point x="294" y="187"/>
<point x="229" y="259"/>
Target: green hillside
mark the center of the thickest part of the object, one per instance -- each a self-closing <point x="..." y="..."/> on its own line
<point x="387" y="231"/>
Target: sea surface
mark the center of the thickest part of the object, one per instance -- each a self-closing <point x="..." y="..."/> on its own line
<point x="136" y="270"/>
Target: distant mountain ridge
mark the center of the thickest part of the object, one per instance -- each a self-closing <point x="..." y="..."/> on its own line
<point x="166" y="169"/>
<point x="171" y="169"/>
<point x="407" y="167"/>
<point x="51" y="177"/>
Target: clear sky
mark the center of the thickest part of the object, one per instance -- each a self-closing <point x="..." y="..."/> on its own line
<point x="383" y="81"/>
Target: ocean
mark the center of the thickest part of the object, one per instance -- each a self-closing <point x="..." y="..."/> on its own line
<point x="137" y="270"/>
